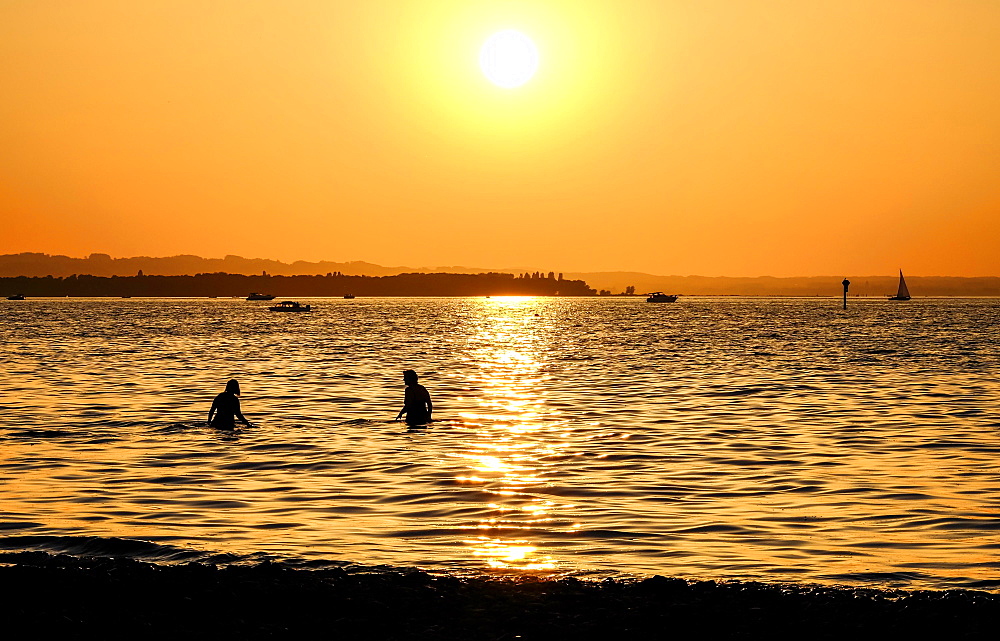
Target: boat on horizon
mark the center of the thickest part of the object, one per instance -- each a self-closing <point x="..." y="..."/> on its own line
<point x="902" y="293"/>
<point x="348" y="295"/>
<point x="290" y="306"/>
<point x="256" y="296"/>
<point x="660" y="297"/>
<point x="16" y="297"/>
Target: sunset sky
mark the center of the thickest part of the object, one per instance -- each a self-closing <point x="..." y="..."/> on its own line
<point x="718" y="137"/>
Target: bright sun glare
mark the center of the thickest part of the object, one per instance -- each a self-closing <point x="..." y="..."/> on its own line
<point x="509" y="58"/>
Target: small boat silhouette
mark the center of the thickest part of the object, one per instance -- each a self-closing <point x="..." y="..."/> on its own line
<point x="256" y="296"/>
<point x="16" y="297"/>
<point x="902" y="293"/>
<point x="290" y="306"/>
<point x="660" y="297"/>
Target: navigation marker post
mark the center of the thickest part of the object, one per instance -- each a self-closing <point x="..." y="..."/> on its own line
<point x="846" y="283"/>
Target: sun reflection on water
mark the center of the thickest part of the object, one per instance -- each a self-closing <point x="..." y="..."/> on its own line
<point x="516" y="433"/>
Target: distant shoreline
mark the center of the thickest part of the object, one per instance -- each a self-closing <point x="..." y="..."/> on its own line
<point x="636" y="297"/>
<point x="614" y="282"/>
<point x="222" y="285"/>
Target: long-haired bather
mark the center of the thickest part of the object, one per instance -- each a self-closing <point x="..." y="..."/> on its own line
<point x="226" y="408"/>
<point x="416" y="401"/>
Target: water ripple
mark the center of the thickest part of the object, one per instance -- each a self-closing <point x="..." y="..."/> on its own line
<point x="713" y="438"/>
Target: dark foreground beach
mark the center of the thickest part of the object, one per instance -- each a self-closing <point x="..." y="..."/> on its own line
<point x="55" y="596"/>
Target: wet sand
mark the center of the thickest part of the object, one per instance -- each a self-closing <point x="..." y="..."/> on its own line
<point x="116" y="598"/>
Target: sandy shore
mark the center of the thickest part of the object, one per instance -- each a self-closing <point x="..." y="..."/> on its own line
<point x="67" y="597"/>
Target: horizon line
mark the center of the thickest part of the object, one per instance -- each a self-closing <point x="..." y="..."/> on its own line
<point x="468" y="269"/>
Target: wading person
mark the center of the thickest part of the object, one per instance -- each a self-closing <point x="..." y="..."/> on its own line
<point x="416" y="401"/>
<point x="226" y="408"/>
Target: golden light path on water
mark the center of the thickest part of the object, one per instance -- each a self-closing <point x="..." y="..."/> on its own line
<point x="511" y="438"/>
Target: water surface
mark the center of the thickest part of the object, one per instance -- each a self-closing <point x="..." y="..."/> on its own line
<point x="775" y="439"/>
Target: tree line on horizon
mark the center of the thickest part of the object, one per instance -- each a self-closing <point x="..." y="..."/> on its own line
<point x="332" y="284"/>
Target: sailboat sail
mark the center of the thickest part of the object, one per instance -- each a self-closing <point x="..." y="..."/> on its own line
<point x="903" y="293"/>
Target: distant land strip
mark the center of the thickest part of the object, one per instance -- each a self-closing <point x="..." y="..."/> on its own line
<point x="332" y="284"/>
<point x="39" y="264"/>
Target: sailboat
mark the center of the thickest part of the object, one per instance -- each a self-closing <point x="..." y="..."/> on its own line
<point x="902" y="293"/>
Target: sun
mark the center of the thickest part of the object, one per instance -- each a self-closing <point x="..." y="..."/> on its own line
<point x="508" y="58"/>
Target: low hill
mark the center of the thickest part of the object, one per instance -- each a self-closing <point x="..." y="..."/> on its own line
<point x="332" y="284"/>
<point x="38" y="264"/>
<point x="792" y="286"/>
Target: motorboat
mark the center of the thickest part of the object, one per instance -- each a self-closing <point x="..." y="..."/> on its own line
<point x="290" y="306"/>
<point x="348" y="295"/>
<point x="256" y="296"/>
<point x="660" y="297"/>
<point x="16" y="297"/>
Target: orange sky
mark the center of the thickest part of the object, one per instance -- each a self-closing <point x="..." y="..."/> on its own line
<point x="719" y="137"/>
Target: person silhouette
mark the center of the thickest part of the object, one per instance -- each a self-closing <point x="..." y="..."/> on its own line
<point x="226" y="408"/>
<point x="416" y="401"/>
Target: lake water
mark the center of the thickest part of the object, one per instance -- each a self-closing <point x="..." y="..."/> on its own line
<point x="773" y="439"/>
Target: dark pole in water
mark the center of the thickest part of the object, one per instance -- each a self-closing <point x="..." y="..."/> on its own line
<point x="846" y="283"/>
